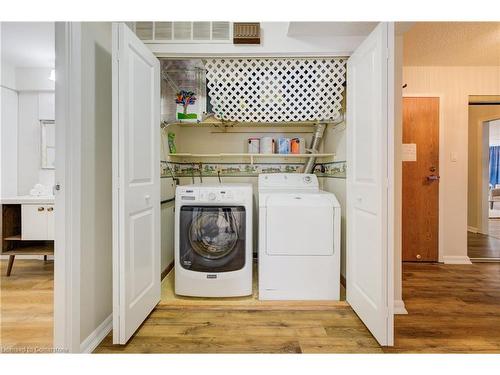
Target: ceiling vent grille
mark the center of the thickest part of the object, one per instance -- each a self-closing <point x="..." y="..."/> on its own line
<point x="276" y="90"/>
<point x="183" y="32"/>
<point x="144" y="30"/>
<point x="163" y="30"/>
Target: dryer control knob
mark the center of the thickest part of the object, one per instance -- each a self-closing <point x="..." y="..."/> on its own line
<point x="211" y="196"/>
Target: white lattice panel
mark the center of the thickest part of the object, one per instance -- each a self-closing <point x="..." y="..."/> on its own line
<point x="276" y="90"/>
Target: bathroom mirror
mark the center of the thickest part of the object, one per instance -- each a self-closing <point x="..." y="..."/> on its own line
<point x="48" y="142"/>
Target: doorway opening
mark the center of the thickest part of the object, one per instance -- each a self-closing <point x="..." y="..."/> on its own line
<point x="483" y="207"/>
<point x="376" y="312"/>
<point x="27" y="204"/>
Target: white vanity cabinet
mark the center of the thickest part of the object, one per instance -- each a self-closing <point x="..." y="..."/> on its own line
<point x="37" y="222"/>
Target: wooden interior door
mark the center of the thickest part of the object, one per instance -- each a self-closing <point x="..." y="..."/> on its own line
<point x="420" y="179"/>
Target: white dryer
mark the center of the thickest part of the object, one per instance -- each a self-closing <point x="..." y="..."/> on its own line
<point x="213" y="240"/>
<point x="299" y="239"/>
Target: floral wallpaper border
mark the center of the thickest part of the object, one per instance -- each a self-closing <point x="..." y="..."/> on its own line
<point x="336" y="169"/>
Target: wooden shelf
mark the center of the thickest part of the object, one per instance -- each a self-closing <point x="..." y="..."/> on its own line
<point x="13" y="238"/>
<point x="252" y="157"/>
<point x="31" y="250"/>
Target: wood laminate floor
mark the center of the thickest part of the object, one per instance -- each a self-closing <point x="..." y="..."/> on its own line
<point x="494" y="227"/>
<point x="26" y="306"/>
<point x="452" y="309"/>
<point x="481" y="246"/>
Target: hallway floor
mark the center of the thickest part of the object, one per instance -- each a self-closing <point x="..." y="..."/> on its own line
<point x="451" y="309"/>
<point x="485" y="246"/>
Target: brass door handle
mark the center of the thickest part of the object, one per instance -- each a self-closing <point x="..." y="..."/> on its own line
<point x="50" y="209"/>
<point x="40" y="209"/>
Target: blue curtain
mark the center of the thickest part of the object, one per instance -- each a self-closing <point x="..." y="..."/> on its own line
<point x="494" y="165"/>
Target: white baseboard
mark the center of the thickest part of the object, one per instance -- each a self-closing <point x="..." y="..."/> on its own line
<point x="94" y="339"/>
<point x="477" y="230"/>
<point x="456" y="259"/>
<point x="399" y="307"/>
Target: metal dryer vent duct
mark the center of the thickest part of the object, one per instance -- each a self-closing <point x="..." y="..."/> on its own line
<point x="319" y="130"/>
<point x="316" y="141"/>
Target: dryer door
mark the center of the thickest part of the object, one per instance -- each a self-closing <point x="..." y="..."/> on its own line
<point x="299" y="224"/>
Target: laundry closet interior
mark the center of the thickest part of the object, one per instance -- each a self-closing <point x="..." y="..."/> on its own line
<point x="265" y="153"/>
<point x="216" y="155"/>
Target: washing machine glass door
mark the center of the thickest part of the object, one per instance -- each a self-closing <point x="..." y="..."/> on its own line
<point x="212" y="239"/>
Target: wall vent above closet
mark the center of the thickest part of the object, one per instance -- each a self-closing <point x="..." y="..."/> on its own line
<point x="183" y="32"/>
<point x="276" y="90"/>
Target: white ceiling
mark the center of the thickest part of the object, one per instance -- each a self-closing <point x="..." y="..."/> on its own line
<point x="28" y="44"/>
<point x="329" y="29"/>
<point x="453" y="44"/>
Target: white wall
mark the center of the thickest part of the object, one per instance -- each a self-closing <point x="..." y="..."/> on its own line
<point x="8" y="130"/>
<point x="96" y="190"/>
<point x="7" y="75"/>
<point x="454" y="84"/>
<point x="167" y="233"/>
<point x="275" y="41"/>
<point x="34" y="79"/>
<point x="33" y="107"/>
<point x="335" y="141"/>
<point x="398" y="169"/>
<point x="8" y="136"/>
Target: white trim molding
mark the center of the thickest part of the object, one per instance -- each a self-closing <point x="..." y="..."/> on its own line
<point x="67" y="199"/>
<point x="399" y="307"/>
<point x="94" y="339"/>
<point x="456" y="259"/>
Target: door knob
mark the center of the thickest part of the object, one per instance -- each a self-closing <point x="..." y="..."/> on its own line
<point x="147" y="197"/>
<point x="433" y="178"/>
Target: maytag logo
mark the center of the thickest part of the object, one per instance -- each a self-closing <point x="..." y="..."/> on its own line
<point x="211" y="276"/>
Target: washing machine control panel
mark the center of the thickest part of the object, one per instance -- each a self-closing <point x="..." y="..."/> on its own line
<point x="216" y="195"/>
<point x="209" y="195"/>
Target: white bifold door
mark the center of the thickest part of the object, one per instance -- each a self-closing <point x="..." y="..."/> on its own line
<point x="136" y="182"/>
<point x="369" y="216"/>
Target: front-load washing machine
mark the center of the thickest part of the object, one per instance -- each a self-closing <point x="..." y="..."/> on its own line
<point x="299" y="239"/>
<point x="213" y="240"/>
